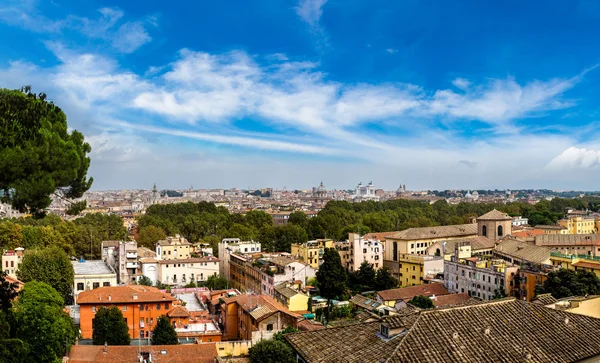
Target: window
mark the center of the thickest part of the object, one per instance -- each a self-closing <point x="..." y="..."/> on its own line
<point x="12" y="263"/>
<point x="93" y="309"/>
<point x="484" y="231"/>
<point x="106" y="283"/>
<point x="124" y="308"/>
<point x="412" y="245"/>
<point x="395" y="251"/>
<point x="384" y="331"/>
<point x="80" y="286"/>
<point x="157" y="306"/>
<point x="95" y="285"/>
<point x="269" y="327"/>
<point x="166" y="306"/>
<point x="499" y="231"/>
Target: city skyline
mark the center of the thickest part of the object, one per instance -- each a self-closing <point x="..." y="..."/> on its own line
<point x="451" y="96"/>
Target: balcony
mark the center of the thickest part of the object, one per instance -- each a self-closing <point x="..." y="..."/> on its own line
<point x="131" y="265"/>
<point x="131" y="254"/>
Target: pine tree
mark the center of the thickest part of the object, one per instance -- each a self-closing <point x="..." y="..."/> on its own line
<point x="109" y="326"/>
<point x="332" y="277"/>
<point x="164" y="333"/>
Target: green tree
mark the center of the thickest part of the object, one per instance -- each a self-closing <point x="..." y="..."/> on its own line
<point x="144" y="280"/>
<point x="266" y="237"/>
<point x="242" y="232"/>
<point x="564" y="283"/>
<point x="38" y="154"/>
<point x="11" y="234"/>
<point x="50" y="265"/>
<point x="149" y="235"/>
<point x="258" y="219"/>
<point x="109" y="326"/>
<point x="11" y="349"/>
<point x="298" y="218"/>
<point x="287" y="330"/>
<point x="216" y="282"/>
<point x="8" y="292"/>
<point x="46" y="331"/>
<point x="366" y="276"/>
<point x="384" y="279"/>
<point x="422" y="302"/>
<point x="332" y="277"/>
<point x="164" y="333"/>
<point x="271" y="351"/>
<point x="286" y="235"/>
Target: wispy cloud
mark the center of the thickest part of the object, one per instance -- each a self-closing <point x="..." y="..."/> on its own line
<point x="109" y="25"/>
<point x="392" y="50"/>
<point x="576" y="158"/>
<point x="310" y="10"/>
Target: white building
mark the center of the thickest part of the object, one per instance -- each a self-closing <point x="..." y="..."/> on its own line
<point x="519" y="221"/>
<point x="122" y="257"/>
<point x="283" y="269"/>
<point x="227" y="246"/>
<point x="7" y="211"/>
<point x="180" y="272"/>
<point x="11" y="260"/>
<point x="365" y="192"/>
<point x="92" y="274"/>
<point x="361" y="250"/>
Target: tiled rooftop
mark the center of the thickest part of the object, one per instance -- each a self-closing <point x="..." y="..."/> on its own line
<point x="436" y="232"/>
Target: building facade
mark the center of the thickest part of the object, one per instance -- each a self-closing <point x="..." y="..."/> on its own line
<point x="414" y="268"/>
<point x="11" y="260"/>
<point x="180" y="272"/>
<point x="311" y="252"/>
<point x="173" y="248"/>
<point x="362" y="250"/>
<point x="91" y="275"/>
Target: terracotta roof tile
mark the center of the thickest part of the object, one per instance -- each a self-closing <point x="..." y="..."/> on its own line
<point x="495" y="215"/>
<point x="567" y="240"/>
<point x="185" y="353"/>
<point x="544" y="299"/>
<point x="450" y="300"/>
<point x="123" y="294"/>
<point x="457" y="230"/>
<point x="178" y="312"/>
<point x="407" y="293"/>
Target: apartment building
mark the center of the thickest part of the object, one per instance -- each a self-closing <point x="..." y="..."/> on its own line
<point x="479" y="277"/>
<point x="227" y="246"/>
<point x="11" y="260"/>
<point x="311" y="252"/>
<point x="141" y="307"/>
<point x="580" y="224"/>
<point x="358" y="249"/>
<point x="91" y="275"/>
<point x="173" y="248"/>
<point x="123" y="258"/>
<point x="413" y="269"/>
<point x="180" y="272"/>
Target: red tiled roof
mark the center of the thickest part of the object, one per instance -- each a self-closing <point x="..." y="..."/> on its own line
<point x="378" y="236"/>
<point x="185" y="353"/>
<point x="123" y="294"/>
<point x="595" y="266"/>
<point x="407" y="293"/>
<point x="450" y="300"/>
<point x="309" y="325"/>
<point x="178" y="312"/>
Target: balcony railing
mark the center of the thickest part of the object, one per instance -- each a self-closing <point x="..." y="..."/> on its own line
<point x="131" y="255"/>
<point x="573" y="256"/>
<point x="131" y="265"/>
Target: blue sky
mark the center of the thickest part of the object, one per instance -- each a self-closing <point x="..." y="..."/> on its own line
<point x="431" y="94"/>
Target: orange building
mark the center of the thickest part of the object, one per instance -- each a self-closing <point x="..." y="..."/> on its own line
<point x="141" y="307"/>
<point x="194" y="327"/>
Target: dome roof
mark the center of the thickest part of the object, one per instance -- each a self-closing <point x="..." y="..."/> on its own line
<point x="321" y="188"/>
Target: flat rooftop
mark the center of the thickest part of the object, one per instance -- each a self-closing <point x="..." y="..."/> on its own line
<point x="191" y="303"/>
<point x="197" y="328"/>
<point x="92" y="267"/>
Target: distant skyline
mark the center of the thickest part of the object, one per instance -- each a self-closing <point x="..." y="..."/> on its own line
<point x="434" y="95"/>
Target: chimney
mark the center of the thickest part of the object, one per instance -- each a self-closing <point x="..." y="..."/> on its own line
<point x="105" y="347"/>
<point x="135" y="296"/>
<point x="109" y="298"/>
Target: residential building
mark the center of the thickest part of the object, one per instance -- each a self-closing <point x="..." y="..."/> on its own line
<point x="362" y="250"/>
<point x="397" y="298"/>
<point x="188" y="327"/>
<point x="581" y="245"/>
<point x="519" y="253"/>
<point x="141" y="307"/>
<point x="123" y="258"/>
<point x="91" y="275"/>
<point x="11" y="260"/>
<point x="183" y="353"/>
<point x="576" y="262"/>
<point x="280" y="218"/>
<point x="474" y="333"/>
<point x="254" y="317"/>
<point x="180" y="272"/>
<point x="293" y="300"/>
<point x="552" y="229"/>
<point x="474" y="246"/>
<point x="311" y="252"/>
<point x="228" y="246"/>
<point x="478" y="277"/>
<point x="580" y="225"/>
<point x="584" y="305"/>
<point x="520" y="221"/>
<point x="173" y="248"/>
<point x="412" y="269"/>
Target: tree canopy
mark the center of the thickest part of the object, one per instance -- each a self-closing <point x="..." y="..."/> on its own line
<point x="271" y="351"/>
<point x="109" y="326"/>
<point x="422" y="302"/>
<point x="164" y="333"/>
<point x="38" y="154"/>
<point x="52" y="266"/>
<point x="40" y="323"/>
<point x="331" y="276"/>
<point x="564" y="283"/>
<point x="215" y="282"/>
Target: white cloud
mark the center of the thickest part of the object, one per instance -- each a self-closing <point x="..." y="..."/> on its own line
<point x="461" y="83"/>
<point x="576" y="158"/>
<point x="310" y="10"/>
<point x="124" y="36"/>
<point x="392" y="50"/>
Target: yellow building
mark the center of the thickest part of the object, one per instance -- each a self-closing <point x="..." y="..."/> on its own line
<point x="580" y="225"/>
<point x="311" y="252"/>
<point x="290" y="298"/>
<point x="553" y="229"/>
<point x="576" y="262"/>
<point x="588" y="306"/>
<point x="414" y="268"/>
<point x="173" y="248"/>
